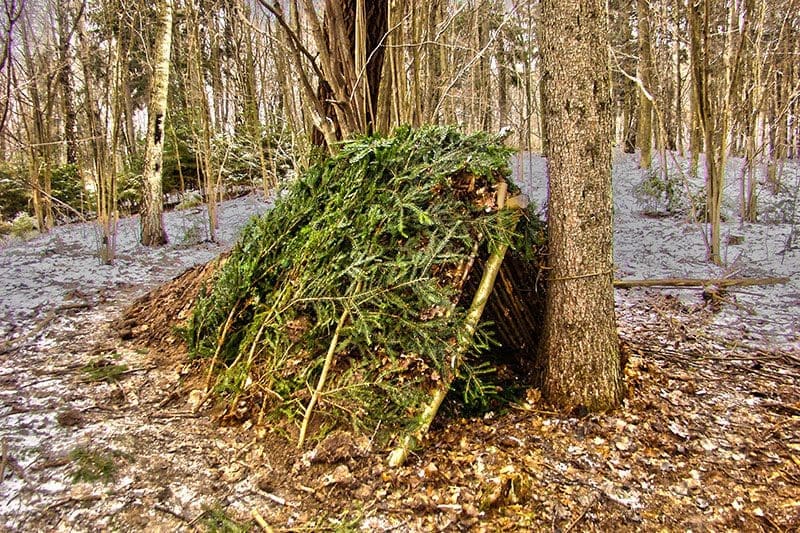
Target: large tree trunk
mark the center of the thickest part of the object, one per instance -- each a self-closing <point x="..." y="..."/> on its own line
<point x="152" y="216"/>
<point x="351" y="46"/>
<point x="580" y="345"/>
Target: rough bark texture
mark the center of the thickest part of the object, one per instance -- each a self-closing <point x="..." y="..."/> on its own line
<point x="65" y="81"/>
<point x="153" y="233"/>
<point x="712" y="90"/>
<point x="358" y="93"/>
<point x="580" y="345"/>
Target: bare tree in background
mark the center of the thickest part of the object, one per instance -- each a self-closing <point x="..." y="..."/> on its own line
<point x="12" y="10"/>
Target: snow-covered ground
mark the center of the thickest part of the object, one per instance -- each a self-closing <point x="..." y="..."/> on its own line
<point x="647" y="247"/>
<point x="62" y="266"/>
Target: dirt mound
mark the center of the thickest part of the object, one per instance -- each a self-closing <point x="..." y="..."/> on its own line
<point x="152" y="319"/>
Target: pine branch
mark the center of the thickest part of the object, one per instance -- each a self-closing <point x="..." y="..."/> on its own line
<point x="399" y="455"/>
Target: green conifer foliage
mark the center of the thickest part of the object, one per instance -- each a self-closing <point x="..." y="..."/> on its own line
<point x="381" y="233"/>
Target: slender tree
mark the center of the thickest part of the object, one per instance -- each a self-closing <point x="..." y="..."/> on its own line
<point x="101" y="158"/>
<point x="12" y="11"/>
<point x="580" y="346"/>
<point x="715" y="67"/>
<point x="644" y="137"/>
<point x="153" y="232"/>
<point x="38" y="125"/>
<point x="64" y="37"/>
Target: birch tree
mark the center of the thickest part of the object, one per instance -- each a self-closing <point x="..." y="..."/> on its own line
<point x="152" y="218"/>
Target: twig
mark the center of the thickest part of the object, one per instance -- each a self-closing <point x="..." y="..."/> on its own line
<point x="76" y="305"/>
<point x="277" y="499"/>
<point x="8" y="346"/>
<point x="64" y="501"/>
<point x="3" y="459"/>
<point x="260" y="521"/>
<point x="580" y="516"/>
<point x="175" y="415"/>
<point x="220" y="342"/>
<point x="321" y="383"/>
<point x="167" y="510"/>
<point x="137" y="370"/>
<point x="171" y="396"/>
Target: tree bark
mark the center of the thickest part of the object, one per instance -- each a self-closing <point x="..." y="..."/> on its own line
<point x="39" y="138"/>
<point x="580" y="345"/>
<point x="644" y="137"/>
<point x="200" y="116"/>
<point x="64" y="35"/>
<point x="152" y="215"/>
<point x="101" y="159"/>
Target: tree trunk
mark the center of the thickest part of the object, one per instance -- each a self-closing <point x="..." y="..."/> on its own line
<point x="678" y="81"/>
<point x="199" y="113"/>
<point x="101" y="159"/>
<point x="644" y="137"/>
<point x="580" y="345"/>
<point x="152" y="216"/>
<point x="39" y="141"/>
<point x="65" y="80"/>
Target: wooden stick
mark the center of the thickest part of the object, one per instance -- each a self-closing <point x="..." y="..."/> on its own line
<point x="699" y="282"/>
<point x="260" y="521"/>
<point x="399" y="455"/>
<point x="323" y="376"/>
<point x="3" y="459"/>
<point x="220" y="342"/>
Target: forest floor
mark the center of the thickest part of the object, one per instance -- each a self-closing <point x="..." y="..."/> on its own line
<point x="98" y="433"/>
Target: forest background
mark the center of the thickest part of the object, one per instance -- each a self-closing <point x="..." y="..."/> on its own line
<point x="245" y="100"/>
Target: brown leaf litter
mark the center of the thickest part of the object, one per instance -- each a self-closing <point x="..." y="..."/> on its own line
<point x="708" y="439"/>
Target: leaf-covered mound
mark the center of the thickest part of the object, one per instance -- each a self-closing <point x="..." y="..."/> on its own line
<point x="362" y="261"/>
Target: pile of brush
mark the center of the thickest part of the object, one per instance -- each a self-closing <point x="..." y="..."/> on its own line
<point x="358" y="299"/>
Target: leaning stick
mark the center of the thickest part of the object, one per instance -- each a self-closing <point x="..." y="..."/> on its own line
<point x="265" y="527"/>
<point x="322" y="378"/>
<point x="399" y="455"/>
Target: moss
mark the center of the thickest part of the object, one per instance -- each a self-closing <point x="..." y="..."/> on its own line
<point x="103" y="370"/>
<point x="93" y="465"/>
<point x="216" y="520"/>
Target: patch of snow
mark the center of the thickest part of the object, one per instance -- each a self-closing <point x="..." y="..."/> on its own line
<point x="63" y="266"/>
<point x="672" y="247"/>
<point x="56" y="270"/>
